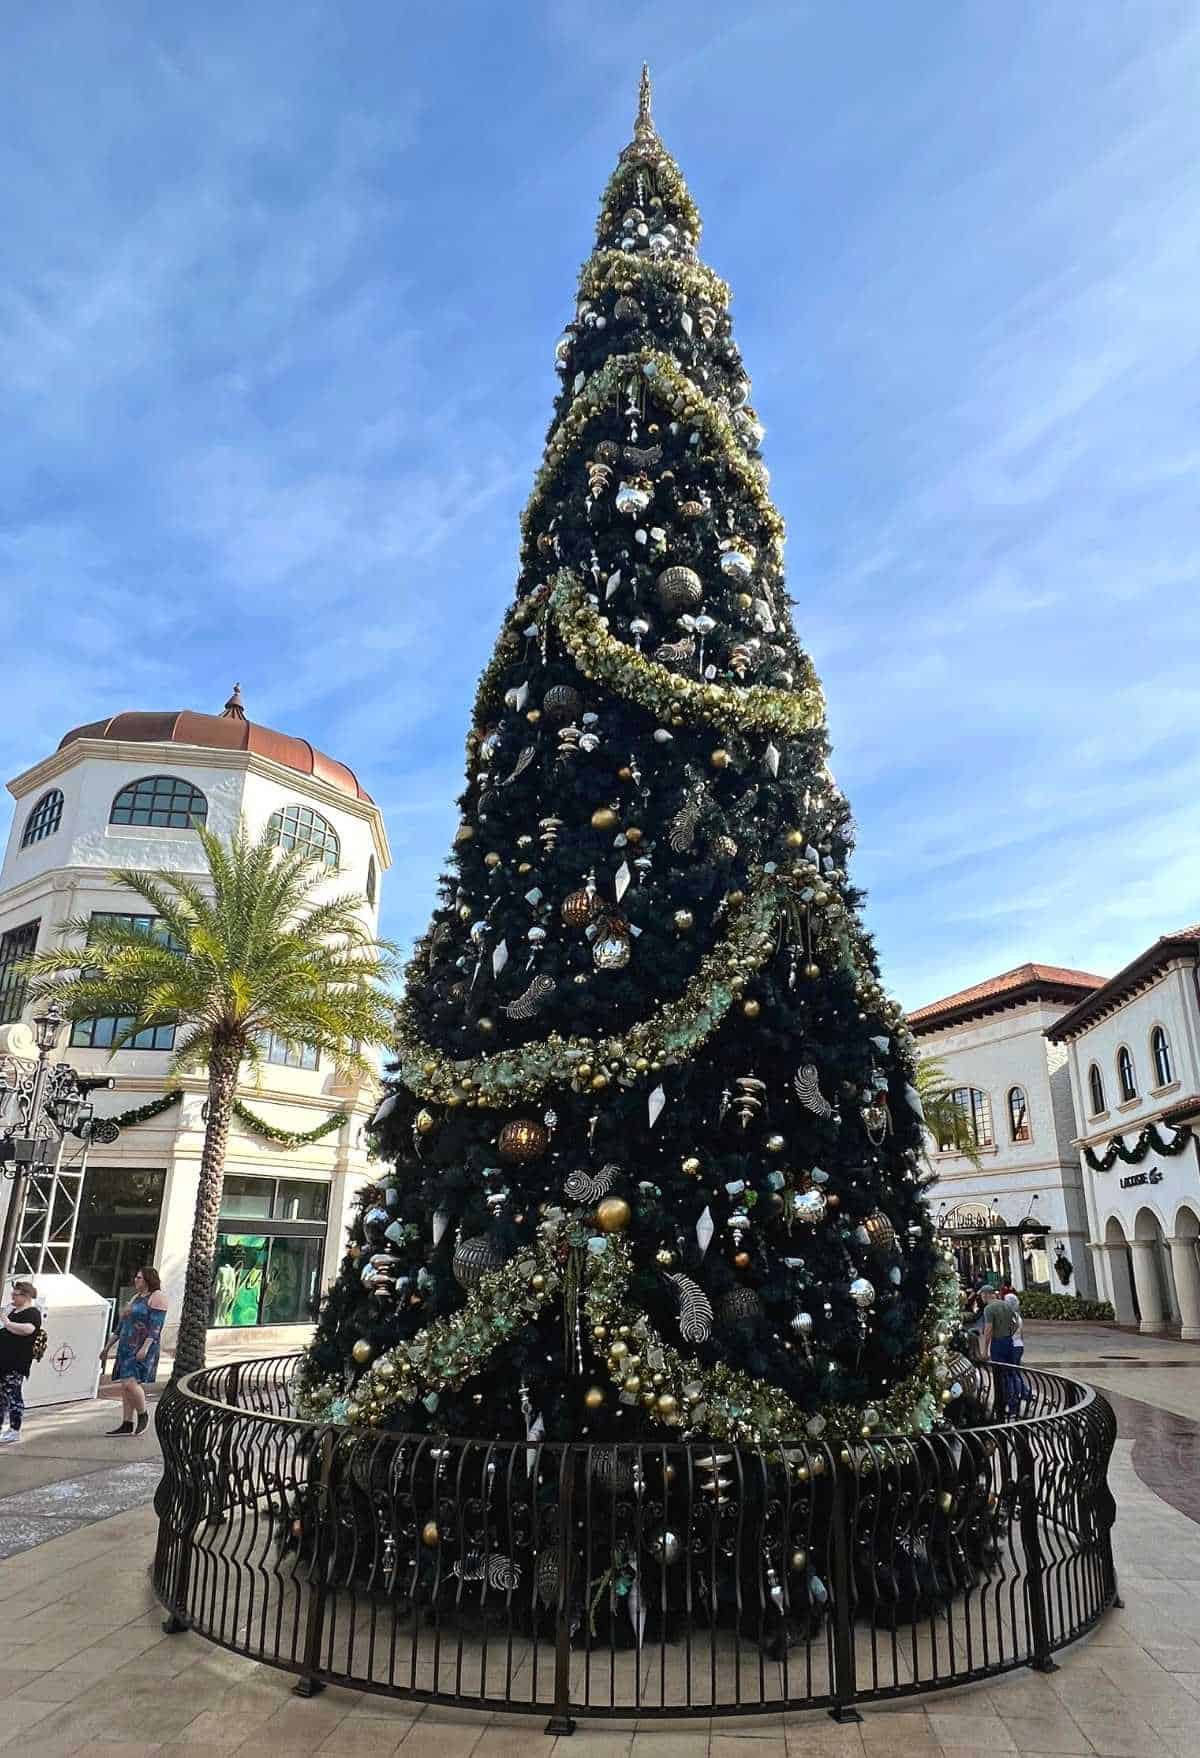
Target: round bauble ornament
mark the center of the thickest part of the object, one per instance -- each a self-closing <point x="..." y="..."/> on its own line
<point x="809" y="1206"/>
<point x="633" y="834"/>
<point x="742" y="1259"/>
<point x="611" y="949"/>
<point x="679" y="589"/>
<point x="522" y="1138"/>
<point x="719" y="759"/>
<point x="738" y="564"/>
<point x="593" y="1398"/>
<point x="690" y="1167"/>
<point x="579" y="907"/>
<point x="691" y="509"/>
<point x="627" y="310"/>
<point x="684" y="921"/>
<point x="562" y="703"/>
<point x="751" y="1008"/>
<point x="736" y="1306"/>
<point x="862" y="1292"/>
<point x="664" y="1258"/>
<point x="666" y="1545"/>
<point x="724" y="848"/>
<point x="362" y="1352"/>
<point x="604" y="818"/>
<point x="492" y="859"/>
<point x="775" y="1144"/>
<point x="632" y="498"/>
<point x="424" y="1122"/>
<point x="880" y="1231"/>
<point x="613" y="1214"/>
<point x="803" y="1325"/>
<point x="474" y="1258"/>
<point x="430" y="1534"/>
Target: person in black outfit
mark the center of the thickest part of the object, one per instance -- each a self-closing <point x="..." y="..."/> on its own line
<point x="20" y="1326"/>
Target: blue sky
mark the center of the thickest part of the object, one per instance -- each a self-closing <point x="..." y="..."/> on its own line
<point x="279" y="289"/>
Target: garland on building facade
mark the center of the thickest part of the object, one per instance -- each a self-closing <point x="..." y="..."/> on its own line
<point x="143" y="1113"/>
<point x="1148" y="1139"/>
<point x="286" y="1138"/>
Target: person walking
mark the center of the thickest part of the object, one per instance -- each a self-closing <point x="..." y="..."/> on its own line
<point x="1000" y="1326"/>
<point x="137" y="1338"/>
<point x="21" y="1323"/>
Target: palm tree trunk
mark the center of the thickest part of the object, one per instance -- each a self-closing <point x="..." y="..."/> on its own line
<point x="197" y="1289"/>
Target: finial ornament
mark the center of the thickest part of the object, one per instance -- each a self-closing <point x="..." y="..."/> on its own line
<point x="233" y="709"/>
<point x="645" y="143"/>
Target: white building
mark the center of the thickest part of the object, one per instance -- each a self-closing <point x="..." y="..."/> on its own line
<point x="1021" y="1213"/>
<point x="123" y="793"/>
<point x="1134" y="1049"/>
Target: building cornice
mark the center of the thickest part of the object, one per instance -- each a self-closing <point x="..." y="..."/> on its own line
<point x="177" y="756"/>
<point x="986" y="1007"/>
<point x="1172" y="952"/>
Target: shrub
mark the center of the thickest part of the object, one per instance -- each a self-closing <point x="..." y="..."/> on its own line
<point x="1064" y="1306"/>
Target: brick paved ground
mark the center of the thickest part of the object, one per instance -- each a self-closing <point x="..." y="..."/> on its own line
<point x="85" y="1668"/>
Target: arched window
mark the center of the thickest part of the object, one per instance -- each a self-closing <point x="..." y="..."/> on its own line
<point x="1018" y="1115"/>
<point x="1096" y="1084"/>
<point x="1125" y="1076"/>
<point x="371" y="879"/>
<point x="305" y="831"/>
<point x="976" y="1109"/>
<point x="45" y="818"/>
<point x="1160" y="1050"/>
<point x="164" y="800"/>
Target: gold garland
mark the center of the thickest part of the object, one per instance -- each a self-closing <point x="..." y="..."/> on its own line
<point x="683" y="398"/>
<point x="720" y="1403"/>
<point x="672" y="1033"/>
<point x="666" y="693"/>
<point x="668" y="183"/>
<point x="608" y="268"/>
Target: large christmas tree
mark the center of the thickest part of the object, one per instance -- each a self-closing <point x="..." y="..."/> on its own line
<point x="653" y="1138"/>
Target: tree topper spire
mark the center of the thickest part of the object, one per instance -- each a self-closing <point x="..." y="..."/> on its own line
<point x="644" y="118"/>
<point x="645" y="143"/>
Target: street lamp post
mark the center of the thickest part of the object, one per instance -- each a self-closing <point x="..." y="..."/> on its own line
<point x="48" y="1100"/>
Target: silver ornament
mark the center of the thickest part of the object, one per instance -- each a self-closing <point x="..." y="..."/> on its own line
<point x="666" y="1545"/>
<point x="809" y="1207"/>
<point x="474" y="1258"/>
<point x="862" y="1292"/>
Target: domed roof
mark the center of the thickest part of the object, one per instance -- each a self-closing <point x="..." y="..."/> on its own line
<point x="228" y="731"/>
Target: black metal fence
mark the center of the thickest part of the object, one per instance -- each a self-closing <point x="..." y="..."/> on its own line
<point x="671" y="1579"/>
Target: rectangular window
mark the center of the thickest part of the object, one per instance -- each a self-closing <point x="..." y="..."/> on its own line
<point x="269" y="1251"/>
<point x="286" y="1054"/>
<point x="102" y="1033"/>
<point x="16" y="946"/>
<point x="976" y="1108"/>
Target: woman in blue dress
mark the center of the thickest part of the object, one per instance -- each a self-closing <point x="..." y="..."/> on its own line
<point x="137" y="1337"/>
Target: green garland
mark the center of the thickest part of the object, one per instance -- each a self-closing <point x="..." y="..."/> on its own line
<point x="719" y="1402"/>
<point x="682" y="397"/>
<point x="667" y="180"/>
<point x="609" y="268"/>
<point x="143" y="1113"/>
<point x="670" y="1035"/>
<point x="1149" y="1138"/>
<point x="666" y="693"/>
<point x="286" y="1138"/>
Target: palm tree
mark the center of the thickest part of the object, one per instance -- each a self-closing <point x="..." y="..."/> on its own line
<point x="233" y="956"/>
<point x="948" y="1124"/>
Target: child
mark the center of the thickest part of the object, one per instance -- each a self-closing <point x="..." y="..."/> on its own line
<point x="20" y="1326"/>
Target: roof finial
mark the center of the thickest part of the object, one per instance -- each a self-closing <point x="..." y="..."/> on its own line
<point x="233" y="709"/>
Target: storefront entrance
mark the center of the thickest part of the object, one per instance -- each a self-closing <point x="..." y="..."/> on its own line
<point x="117" y="1230"/>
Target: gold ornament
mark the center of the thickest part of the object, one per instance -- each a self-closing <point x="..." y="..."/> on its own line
<point x="485" y="1024"/>
<point x="431" y="1534"/>
<point x="524" y="1138"/>
<point x="624" y="773"/>
<point x="667" y="1403"/>
<point x="604" y="818"/>
<point x="795" y="839"/>
<point x="578" y="908"/>
<point x="464" y="833"/>
<point x="775" y="1144"/>
<point x="812" y="972"/>
<point x="664" y="1257"/>
<point x="633" y="834"/>
<point x="751" y="1008"/>
<point x="537" y="1283"/>
<point x="362" y="1352"/>
<point x="799" y="1557"/>
<point x="593" y="1397"/>
<point x="690" y="1167"/>
<point x="533" y="715"/>
<point x="742" y="1260"/>
<point x="424" y="1122"/>
<point x="613" y="1215"/>
<point x="491" y="859"/>
<point x="719" y="759"/>
<point x="684" y="921"/>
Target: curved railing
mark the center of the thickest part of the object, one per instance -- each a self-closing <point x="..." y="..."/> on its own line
<point x="645" y="1580"/>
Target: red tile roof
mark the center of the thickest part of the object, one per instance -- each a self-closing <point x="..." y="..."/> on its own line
<point x="1028" y="982"/>
<point x="222" y="732"/>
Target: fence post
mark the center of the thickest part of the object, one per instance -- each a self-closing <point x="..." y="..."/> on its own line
<point x="1031" y="1544"/>
<point x="308" y="1684"/>
<point x="561" y="1720"/>
<point x="177" y="1550"/>
<point x="845" y="1682"/>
